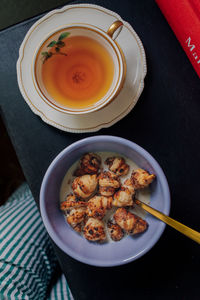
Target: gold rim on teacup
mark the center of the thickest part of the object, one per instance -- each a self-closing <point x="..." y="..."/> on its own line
<point x="119" y="80"/>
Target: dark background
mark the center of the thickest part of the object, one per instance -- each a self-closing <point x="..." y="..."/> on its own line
<point x="165" y="121"/>
<point x="15" y="11"/>
<point x="12" y="12"/>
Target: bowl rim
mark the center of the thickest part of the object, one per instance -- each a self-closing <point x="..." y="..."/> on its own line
<point x="49" y="228"/>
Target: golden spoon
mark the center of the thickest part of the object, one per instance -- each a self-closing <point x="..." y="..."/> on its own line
<point x="192" y="234"/>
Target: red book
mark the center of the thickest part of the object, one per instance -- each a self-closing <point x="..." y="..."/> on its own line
<point x="184" y="18"/>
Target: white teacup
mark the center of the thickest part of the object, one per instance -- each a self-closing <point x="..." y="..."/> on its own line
<point x="52" y="45"/>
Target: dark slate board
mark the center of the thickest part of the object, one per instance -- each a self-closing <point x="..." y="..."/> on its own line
<point x="165" y="121"/>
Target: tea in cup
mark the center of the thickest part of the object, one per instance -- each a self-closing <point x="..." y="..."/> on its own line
<point x="79" y="68"/>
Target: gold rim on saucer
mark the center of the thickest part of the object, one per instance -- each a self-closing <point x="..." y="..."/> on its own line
<point x="57" y="119"/>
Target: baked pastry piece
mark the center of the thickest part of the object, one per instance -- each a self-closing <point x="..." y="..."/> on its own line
<point x="94" y="230"/>
<point x="71" y="202"/>
<point x="129" y="222"/>
<point x="76" y="218"/>
<point x="141" y="178"/>
<point x="98" y="206"/>
<point x="124" y="196"/>
<point x="115" y="231"/>
<point x="117" y="165"/>
<point x="108" y="183"/>
<point x="89" y="164"/>
<point x="84" y="186"/>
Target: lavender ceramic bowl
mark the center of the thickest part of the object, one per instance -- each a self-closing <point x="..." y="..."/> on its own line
<point x="112" y="253"/>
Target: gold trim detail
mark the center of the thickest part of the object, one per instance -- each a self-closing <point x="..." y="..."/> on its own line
<point x="117" y="24"/>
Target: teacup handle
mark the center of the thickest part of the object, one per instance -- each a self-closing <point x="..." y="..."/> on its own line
<point x="114" y="27"/>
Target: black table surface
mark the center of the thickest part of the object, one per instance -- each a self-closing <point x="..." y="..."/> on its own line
<point x="165" y="121"/>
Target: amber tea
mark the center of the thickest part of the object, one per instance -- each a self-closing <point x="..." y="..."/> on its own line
<point x="77" y="71"/>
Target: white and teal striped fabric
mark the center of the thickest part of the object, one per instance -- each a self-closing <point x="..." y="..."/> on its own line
<point x="60" y="290"/>
<point x="27" y="259"/>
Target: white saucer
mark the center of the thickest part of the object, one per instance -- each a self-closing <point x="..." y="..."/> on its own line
<point x="135" y="59"/>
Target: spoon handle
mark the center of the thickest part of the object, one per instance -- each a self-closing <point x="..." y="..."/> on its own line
<point x="192" y="234"/>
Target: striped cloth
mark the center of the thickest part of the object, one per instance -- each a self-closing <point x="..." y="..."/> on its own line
<point x="60" y="290"/>
<point x="27" y="259"/>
